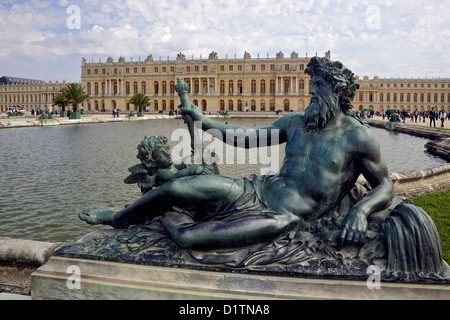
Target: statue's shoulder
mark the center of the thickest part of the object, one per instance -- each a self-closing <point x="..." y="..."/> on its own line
<point x="292" y="119"/>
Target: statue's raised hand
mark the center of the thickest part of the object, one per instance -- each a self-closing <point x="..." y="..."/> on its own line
<point x="192" y="110"/>
<point x="354" y="228"/>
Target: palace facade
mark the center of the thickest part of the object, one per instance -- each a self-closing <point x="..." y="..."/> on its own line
<point x="27" y="94"/>
<point x="240" y="84"/>
<point x="234" y="84"/>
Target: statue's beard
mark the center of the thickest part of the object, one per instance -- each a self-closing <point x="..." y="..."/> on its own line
<point x="320" y="111"/>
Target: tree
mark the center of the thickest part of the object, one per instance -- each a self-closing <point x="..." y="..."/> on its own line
<point x="140" y="101"/>
<point x="61" y="101"/>
<point x="74" y="94"/>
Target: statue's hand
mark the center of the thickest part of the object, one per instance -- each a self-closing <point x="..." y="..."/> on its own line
<point x="192" y="110"/>
<point x="197" y="170"/>
<point x="354" y="228"/>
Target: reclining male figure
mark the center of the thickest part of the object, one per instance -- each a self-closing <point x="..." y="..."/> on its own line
<point x="327" y="148"/>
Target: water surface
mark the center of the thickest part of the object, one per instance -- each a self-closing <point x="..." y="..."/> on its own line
<point x="48" y="175"/>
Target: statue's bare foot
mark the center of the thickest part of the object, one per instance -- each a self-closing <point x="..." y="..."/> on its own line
<point x="99" y="216"/>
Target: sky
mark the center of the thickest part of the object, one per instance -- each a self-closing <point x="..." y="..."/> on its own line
<point x="46" y="40"/>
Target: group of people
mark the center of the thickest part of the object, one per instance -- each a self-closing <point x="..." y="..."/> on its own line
<point x="116" y="113"/>
<point x="415" y="116"/>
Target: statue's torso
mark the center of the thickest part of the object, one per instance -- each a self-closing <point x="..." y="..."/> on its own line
<point x="318" y="170"/>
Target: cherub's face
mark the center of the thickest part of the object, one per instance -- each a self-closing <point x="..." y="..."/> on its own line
<point x="162" y="157"/>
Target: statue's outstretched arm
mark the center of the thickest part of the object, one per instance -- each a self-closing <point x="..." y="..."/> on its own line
<point x="237" y="136"/>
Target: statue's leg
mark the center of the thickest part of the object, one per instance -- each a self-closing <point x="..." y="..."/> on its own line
<point x="202" y="192"/>
<point x="217" y="234"/>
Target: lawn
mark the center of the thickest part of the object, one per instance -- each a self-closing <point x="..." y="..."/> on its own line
<point x="437" y="205"/>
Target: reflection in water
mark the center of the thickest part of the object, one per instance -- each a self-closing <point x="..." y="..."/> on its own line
<point x="48" y="175"/>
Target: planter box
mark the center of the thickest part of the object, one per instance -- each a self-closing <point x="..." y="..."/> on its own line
<point x="140" y="113"/>
<point x="75" y="115"/>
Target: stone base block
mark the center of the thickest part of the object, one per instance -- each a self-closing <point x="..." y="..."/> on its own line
<point x="69" y="278"/>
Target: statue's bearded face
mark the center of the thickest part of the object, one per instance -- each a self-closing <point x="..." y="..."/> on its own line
<point x="324" y="103"/>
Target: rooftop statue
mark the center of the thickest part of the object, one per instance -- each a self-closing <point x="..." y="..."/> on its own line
<point x="327" y="148"/>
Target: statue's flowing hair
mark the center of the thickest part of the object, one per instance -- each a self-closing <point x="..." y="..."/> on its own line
<point x="343" y="81"/>
<point x="146" y="147"/>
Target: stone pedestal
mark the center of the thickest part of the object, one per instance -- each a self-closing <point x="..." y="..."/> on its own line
<point x="68" y="278"/>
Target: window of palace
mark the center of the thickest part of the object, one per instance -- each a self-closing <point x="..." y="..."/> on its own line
<point x="188" y="69"/>
<point x="263" y="67"/>
<point x="239" y="67"/>
<point x="230" y="68"/>
<point x="127" y="70"/>
<point x="253" y="67"/>
<point x="143" y="69"/>
<point x="135" y="70"/>
<point x="272" y="67"/>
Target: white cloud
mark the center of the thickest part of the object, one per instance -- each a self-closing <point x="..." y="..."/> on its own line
<point x="411" y="39"/>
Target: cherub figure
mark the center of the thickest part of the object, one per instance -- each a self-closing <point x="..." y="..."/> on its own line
<point x="156" y="165"/>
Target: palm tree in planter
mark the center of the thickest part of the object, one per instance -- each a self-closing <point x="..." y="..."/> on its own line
<point x="141" y="102"/>
<point x="74" y="93"/>
<point x="61" y="101"/>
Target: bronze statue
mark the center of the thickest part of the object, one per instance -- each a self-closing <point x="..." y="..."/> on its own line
<point x="299" y="217"/>
<point x="327" y="148"/>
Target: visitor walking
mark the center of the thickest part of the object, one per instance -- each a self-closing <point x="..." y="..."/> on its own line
<point x="442" y="118"/>
<point x="114" y="112"/>
<point x="433" y="117"/>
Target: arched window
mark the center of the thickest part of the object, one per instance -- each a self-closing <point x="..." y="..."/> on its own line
<point x="88" y="88"/>
<point x="230" y="105"/>
<point x="188" y="82"/>
<point x="143" y="87"/>
<point x="263" y="105"/>
<point x="381" y="97"/>
<point x="301" y="85"/>
<point x="253" y="104"/>
<point x="164" y="105"/>
<point x="239" y="106"/>
<point x="127" y="88"/>
<point x="204" y="105"/>
<point x="172" y="87"/>
<point x="222" y="87"/>
<point x="135" y="87"/>
<point x="286" y="105"/>
<point x="272" y="87"/>
<point x="196" y="86"/>
<point x="239" y="87"/>
<point x="156" y="88"/>
<point x="230" y="86"/>
<point x="96" y="88"/>
<point x="253" y="87"/>
<point x="155" y="105"/>
<point x="204" y="86"/>
<point x="429" y="97"/>
<point x="164" y="89"/>
<point x="287" y="85"/>
<point x="222" y="105"/>
<point x="263" y="86"/>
